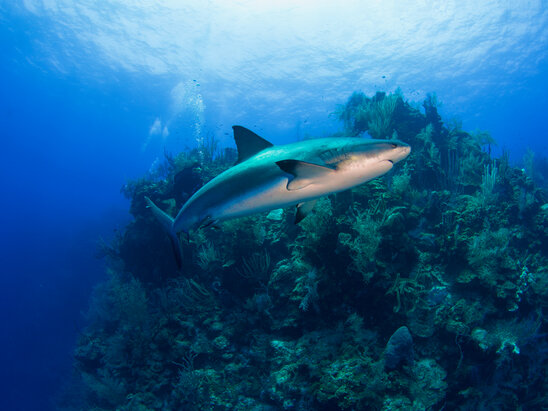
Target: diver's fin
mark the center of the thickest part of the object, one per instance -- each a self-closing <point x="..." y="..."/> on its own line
<point x="303" y="209"/>
<point x="167" y="223"/>
<point x="303" y="173"/>
<point x="248" y="143"/>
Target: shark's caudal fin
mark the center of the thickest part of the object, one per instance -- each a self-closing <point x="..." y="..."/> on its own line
<point x="167" y="223"/>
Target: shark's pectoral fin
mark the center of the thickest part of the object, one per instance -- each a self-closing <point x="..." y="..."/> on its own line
<point x="248" y="143"/>
<point x="303" y="173"/>
<point x="303" y="209"/>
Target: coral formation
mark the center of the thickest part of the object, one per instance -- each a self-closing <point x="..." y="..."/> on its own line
<point x="268" y="315"/>
<point x="399" y="349"/>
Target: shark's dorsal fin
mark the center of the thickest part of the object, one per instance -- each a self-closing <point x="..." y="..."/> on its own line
<point x="303" y="209"/>
<point x="303" y="173"/>
<point x="248" y="143"/>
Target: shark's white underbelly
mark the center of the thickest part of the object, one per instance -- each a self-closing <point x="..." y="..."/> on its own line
<point x="268" y="196"/>
<point x="274" y="194"/>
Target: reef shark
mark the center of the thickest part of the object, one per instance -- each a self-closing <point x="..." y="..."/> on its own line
<point x="268" y="177"/>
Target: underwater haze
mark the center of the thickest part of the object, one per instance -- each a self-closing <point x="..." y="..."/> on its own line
<point x="105" y="102"/>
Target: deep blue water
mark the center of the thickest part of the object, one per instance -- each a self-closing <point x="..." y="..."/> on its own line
<point x="92" y="95"/>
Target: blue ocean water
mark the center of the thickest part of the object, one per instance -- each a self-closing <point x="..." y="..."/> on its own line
<point x="94" y="93"/>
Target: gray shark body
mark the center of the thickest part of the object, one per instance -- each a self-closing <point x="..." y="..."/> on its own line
<point x="268" y="177"/>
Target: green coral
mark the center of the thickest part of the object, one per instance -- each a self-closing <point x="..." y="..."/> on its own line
<point x="268" y="315"/>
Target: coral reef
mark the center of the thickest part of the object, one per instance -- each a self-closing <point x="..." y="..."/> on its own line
<point x="266" y="315"/>
<point x="399" y="349"/>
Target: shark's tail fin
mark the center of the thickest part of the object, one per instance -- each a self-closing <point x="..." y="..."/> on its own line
<point x="167" y="223"/>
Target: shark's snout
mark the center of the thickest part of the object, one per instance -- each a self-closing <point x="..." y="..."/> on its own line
<point x="400" y="152"/>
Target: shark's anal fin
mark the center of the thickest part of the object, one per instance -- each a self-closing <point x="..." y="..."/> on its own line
<point x="248" y="143"/>
<point x="209" y="222"/>
<point x="303" y="173"/>
<point x="303" y="209"/>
